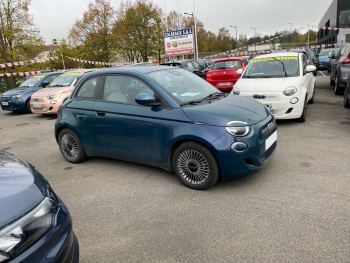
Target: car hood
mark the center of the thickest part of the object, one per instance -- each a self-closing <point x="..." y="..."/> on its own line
<point x="19" y="90"/>
<point x="266" y="84"/>
<point x="51" y="91"/>
<point x="231" y="108"/>
<point x="21" y="188"/>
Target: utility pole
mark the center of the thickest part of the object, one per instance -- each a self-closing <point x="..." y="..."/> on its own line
<point x="195" y="28"/>
<point x="55" y="42"/>
<point x="194" y="34"/>
<point x="236" y="27"/>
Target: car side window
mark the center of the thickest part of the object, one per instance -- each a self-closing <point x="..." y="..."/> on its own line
<point x="51" y="78"/>
<point x="88" y="89"/>
<point x="189" y="65"/>
<point x="123" y="89"/>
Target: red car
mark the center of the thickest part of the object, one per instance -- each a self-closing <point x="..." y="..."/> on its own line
<point x="222" y="73"/>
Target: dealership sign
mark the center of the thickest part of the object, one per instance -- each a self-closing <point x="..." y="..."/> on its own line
<point x="179" y="42"/>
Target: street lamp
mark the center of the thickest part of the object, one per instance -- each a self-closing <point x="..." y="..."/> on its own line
<point x="55" y="42"/>
<point x="195" y="34"/>
<point x="254" y="28"/>
<point x="308" y="34"/>
<point x="236" y="27"/>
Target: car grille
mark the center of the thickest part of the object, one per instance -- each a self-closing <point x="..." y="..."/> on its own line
<point x="277" y="112"/>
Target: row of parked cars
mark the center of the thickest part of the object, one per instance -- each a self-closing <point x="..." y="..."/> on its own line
<point x="156" y="115"/>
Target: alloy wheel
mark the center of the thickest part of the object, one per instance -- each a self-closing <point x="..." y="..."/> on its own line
<point x="193" y="166"/>
<point x="69" y="146"/>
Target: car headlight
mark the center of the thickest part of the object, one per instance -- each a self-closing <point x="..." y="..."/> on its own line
<point x="238" y="128"/>
<point x="290" y="91"/>
<point x="21" y="234"/>
<point x="51" y="97"/>
<point x="236" y="91"/>
<point x="17" y="97"/>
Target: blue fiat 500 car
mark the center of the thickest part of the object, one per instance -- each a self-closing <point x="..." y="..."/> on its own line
<point x="17" y="100"/>
<point x="169" y="118"/>
<point x="35" y="225"/>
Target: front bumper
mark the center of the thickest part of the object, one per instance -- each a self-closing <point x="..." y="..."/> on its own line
<point x="280" y="105"/>
<point x="323" y="65"/>
<point x="42" y="105"/>
<point x="233" y="164"/>
<point x="8" y="104"/>
<point x="58" y="245"/>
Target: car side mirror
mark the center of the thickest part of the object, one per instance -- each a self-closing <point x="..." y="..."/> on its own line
<point x="310" y="69"/>
<point x="45" y="84"/>
<point x="146" y="99"/>
<point x="239" y="71"/>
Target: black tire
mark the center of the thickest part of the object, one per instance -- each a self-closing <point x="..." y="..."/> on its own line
<point x="195" y="166"/>
<point x="303" y="115"/>
<point x="311" y="101"/>
<point x="70" y="146"/>
<point x="337" y="90"/>
<point x="315" y="73"/>
<point x="29" y="110"/>
<point x="332" y="82"/>
<point x="346" y="99"/>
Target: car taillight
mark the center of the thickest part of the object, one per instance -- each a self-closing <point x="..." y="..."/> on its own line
<point x="346" y="60"/>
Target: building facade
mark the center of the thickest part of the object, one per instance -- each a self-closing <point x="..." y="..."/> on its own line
<point x="334" y="28"/>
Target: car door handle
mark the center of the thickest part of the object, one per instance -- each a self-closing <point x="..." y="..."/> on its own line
<point x="101" y="114"/>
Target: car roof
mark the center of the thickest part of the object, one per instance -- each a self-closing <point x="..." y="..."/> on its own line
<point x="229" y="59"/>
<point x="129" y="69"/>
<point x="282" y="54"/>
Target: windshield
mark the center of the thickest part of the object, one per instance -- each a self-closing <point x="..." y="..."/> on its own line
<point x="64" y="80"/>
<point x="230" y="64"/>
<point x="326" y="52"/>
<point x="273" y="67"/>
<point x="32" y="81"/>
<point x="183" y="85"/>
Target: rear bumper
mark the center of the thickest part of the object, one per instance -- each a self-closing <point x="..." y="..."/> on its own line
<point x="58" y="245"/>
<point x="224" y="88"/>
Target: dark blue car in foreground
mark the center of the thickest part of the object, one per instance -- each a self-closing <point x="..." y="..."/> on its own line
<point x="169" y="118"/>
<point x="35" y="225"/>
<point x="17" y="100"/>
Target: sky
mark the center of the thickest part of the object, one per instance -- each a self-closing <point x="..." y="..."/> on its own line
<point x="55" y="17"/>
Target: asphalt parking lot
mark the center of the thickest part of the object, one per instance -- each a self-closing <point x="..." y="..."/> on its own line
<point x="294" y="210"/>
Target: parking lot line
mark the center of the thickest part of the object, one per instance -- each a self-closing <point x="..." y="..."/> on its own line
<point x="324" y="75"/>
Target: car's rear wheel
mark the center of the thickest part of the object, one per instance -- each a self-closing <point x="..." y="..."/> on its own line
<point x="337" y="89"/>
<point x="346" y="98"/>
<point x="195" y="166"/>
<point x="70" y="146"/>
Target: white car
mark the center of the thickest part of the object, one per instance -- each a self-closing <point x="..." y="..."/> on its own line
<point x="284" y="82"/>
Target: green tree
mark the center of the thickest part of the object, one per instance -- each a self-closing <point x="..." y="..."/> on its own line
<point x="139" y="31"/>
<point x="19" y="38"/>
<point x="93" y="32"/>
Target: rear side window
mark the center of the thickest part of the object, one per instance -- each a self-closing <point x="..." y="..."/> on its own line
<point x="227" y="64"/>
<point x="88" y="89"/>
<point x="123" y="89"/>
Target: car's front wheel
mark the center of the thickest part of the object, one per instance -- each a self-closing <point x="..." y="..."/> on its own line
<point x="195" y="166"/>
<point x="70" y="146"/>
<point x="303" y="115"/>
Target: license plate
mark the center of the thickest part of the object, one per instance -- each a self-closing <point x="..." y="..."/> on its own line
<point x="270" y="141"/>
<point x="225" y="84"/>
<point x="4" y="103"/>
<point x="36" y="105"/>
<point x="269" y="106"/>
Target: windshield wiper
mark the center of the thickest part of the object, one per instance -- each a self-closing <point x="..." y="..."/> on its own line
<point x="283" y="65"/>
<point x="211" y="96"/>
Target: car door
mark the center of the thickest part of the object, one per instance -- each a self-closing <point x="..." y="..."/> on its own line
<point x="84" y="114"/>
<point x="124" y="129"/>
